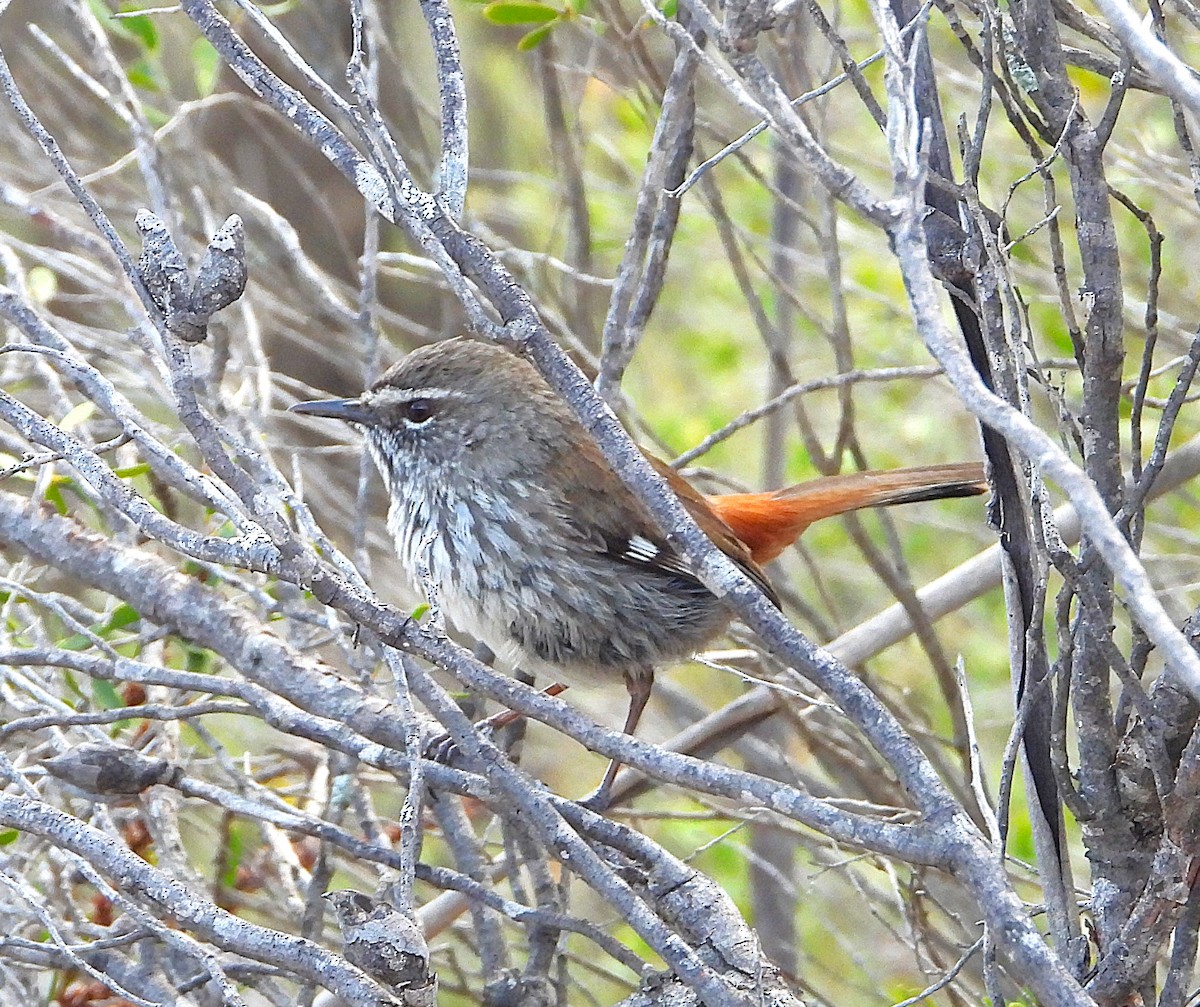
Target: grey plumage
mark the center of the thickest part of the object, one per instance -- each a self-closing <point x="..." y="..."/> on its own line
<point x="535" y="546"/>
<point x="551" y="573"/>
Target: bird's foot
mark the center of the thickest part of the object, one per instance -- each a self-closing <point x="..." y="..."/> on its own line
<point x="442" y="748"/>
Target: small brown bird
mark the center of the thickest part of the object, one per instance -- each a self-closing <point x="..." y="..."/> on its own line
<point x="382" y="941"/>
<point x="536" y="546"/>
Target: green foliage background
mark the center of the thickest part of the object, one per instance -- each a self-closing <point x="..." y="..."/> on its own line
<point x="701" y="364"/>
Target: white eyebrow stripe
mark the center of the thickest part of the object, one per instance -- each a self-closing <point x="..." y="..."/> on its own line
<point x="392" y="395"/>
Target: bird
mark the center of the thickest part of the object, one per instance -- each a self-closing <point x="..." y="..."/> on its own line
<point x="537" y="548"/>
<point x="382" y="941"/>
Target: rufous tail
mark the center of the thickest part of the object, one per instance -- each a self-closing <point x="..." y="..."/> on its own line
<point x="769" y="522"/>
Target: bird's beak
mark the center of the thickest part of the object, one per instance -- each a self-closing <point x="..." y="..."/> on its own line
<point x="350" y="410"/>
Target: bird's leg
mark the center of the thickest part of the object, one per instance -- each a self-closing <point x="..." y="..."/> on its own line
<point x="506" y="717"/>
<point x="639" y="687"/>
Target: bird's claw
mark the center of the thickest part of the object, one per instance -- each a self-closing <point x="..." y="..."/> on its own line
<point x="441" y="749"/>
<point x="444" y="750"/>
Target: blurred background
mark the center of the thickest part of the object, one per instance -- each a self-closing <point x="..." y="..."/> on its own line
<point x="770" y="283"/>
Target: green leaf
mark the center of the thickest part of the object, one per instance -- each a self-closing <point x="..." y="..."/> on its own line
<point x="206" y="67"/>
<point x="105" y="695"/>
<point x="122" y="616"/>
<point x="115" y="26"/>
<point x="670" y="8"/>
<point x="77" y="415"/>
<point x="129" y="471"/>
<point x="143" y="29"/>
<point x="197" y="660"/>
<point x="54" y="497"/>
<point x="142" y="73"/>
<point x="156" y="118"/>
<point x="72" y="684"/>
<point x="234" y="850"/>
<point x="519" y="12"/>
<point x="419" y="611"/>
<point x="8" y="836"/>
<point x="532" y="39"/>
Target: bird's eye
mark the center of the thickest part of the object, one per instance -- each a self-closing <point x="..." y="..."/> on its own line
<point x="417" y="410"/>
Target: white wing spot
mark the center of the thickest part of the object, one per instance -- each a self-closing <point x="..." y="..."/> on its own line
<point x="641" y="549"/>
